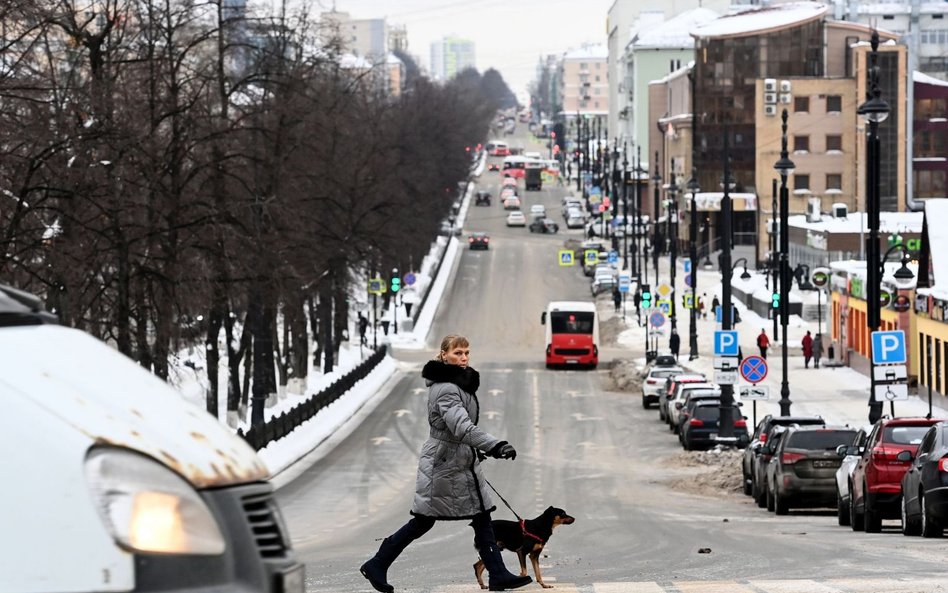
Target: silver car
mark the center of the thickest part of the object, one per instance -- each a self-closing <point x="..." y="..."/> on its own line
<point x="851" y="455"/>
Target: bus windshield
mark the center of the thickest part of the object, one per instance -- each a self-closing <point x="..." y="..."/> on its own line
<point x="562" y="322"/>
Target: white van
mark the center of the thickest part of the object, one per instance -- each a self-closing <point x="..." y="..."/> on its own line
<point x="113" y="482"/>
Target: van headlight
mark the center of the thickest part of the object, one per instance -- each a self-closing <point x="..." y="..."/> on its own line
<point x="149" y="508"/>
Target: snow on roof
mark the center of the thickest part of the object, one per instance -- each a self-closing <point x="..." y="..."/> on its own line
<point x="674" y="33"/>
<point x="761" y="20"/>
<point x="857" y="268"/>
<point x="936" y="211"/>
<point x="683" y="71"/>
<point x="923" y="78"/>
<point x="588" y="52"/>
<point x="354" y="61"/>
<point x="392" y="59"/>
<point x="889" y="222"/>
<point x="895" y="8"/>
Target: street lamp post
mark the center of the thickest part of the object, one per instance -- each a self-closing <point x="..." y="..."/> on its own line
<point x="579" y="152"/>
<point x="875" y="110"/>
<point x="656" y="182"/>
<point x="726" y="426"/>
<point x="784" y="167"/>
<point x="693" y="237"/>
<point x="639" y="248"/>
<point x="672" y="214"/>
<point x="625" y="206"/>
<point x="773" y="253"/>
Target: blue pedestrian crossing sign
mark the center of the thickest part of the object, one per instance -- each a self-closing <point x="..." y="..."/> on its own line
<point x="591" y="256"/>
<point x="725" y="343"/>
<point x="888" y="347"/>
<point x="664" y="305"/>
<point x="566" y="257"/>
<point x="613" y="257"/>
<point x="377" y="286"/>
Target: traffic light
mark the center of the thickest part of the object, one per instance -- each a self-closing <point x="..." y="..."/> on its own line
<point x="396" y="284"/>
<point x="646" y="297"/>
<point x="775" y="300"/>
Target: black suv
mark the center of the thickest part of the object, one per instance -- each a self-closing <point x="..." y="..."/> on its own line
<point x="759" y="440"/>
<point x="479" y="241"/>
<point x="482" y="198"/>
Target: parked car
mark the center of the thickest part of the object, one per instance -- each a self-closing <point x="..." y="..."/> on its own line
<point x="694" y="398"/>
<point x="513" y="203"/>
<point x="516" y="218"/>
<point x="673" y="409"/>
<point x="544" y="225"/>
<point x="759" y="438"/>
<point x="802" y="472"/>
<point x="574" y="221"/>
<point x="876" y="484"/>
<point x="119" y="483"/>
<point x="671" y="384"/>
<point x="479" y="241"/>
<point x="703" y="427"/>
<point x="849" y="455"/>
<point x="482" y="198"/>
<point x="654" y="382"/>
<point x="538" y="211"/>
<point x="761" y="492"/>
<point x="925" y="485"/>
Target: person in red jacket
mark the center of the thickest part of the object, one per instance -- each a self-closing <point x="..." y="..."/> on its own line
<point x="763" y="342"/>
<point x="807" y="344"/>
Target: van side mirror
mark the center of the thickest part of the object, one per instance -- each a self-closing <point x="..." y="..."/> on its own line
<point x="904" y="456"/>
<point x="543" y="318"/>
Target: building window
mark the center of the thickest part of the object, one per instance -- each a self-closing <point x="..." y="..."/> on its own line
<point x="930" y="184"/>
<point x="834" y="142"/>
<point x="929" y="108"/>
<point x="801" y="144"/>
<point x="834" y="103"/>
<point x="583" y="66"/>
<point x="801" y="104"/>
<point x="597" y="104"/>
<point x="801" y="181"/>
<point x="582" y="104"/>
<point x="834" y="181"/>
<point x="597" y="78"/>
<point x="598" y="64"/>
<point x="929" y="144"/>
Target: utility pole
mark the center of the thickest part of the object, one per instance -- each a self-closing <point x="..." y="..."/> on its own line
<point x="657" y="182"/>
<point x="726" y="425"/>
<point x="774" y="226"/>
<point x="784" y="167"/>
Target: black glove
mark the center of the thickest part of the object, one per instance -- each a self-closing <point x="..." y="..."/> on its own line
<point x="503" y="450"/>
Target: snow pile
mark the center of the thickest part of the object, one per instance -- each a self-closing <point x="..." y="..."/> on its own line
<point x="625" y="375"/>
<point x="721" y="473"/>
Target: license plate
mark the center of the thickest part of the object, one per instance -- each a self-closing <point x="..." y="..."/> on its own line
<point x="825" y="464"/>
<point x="292" y="581"/>
<point x="713" y="436"/>
<point x="572" y="361"/>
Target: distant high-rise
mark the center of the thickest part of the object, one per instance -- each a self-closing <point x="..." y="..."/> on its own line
<point x="450" y="56"/>
<point x="367" y="38"/>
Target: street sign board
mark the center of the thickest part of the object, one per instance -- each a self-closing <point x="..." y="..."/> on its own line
<point x="726" y="363"/>
<point x="754" y="369"/>
<point x="409" y="279"/>
<point x="687" y="266"/>
<point x="566" y="257"/>
<point x="718" y="313"/>
<point x="613" y="257"/>
<point x="755" y="392"/>
<point x="895" y="372"/>
<point x="625" y="282"/>
<point x="377" y="286"/>
<point x="591" y="256"/>
<point x="665" y="305"/>
<point x="901" y="303"/>
<point x="656" y="319"/>
<point x="688" y="280"/>
<point x="725" y="377"/>
<point x="888" y="347"/>
<point x="688" y="300"/>
<point x="891" y="392"/>
<point x="820" y="277"/>
<point x="725" y="343"/>
<point x="664" y="290"/>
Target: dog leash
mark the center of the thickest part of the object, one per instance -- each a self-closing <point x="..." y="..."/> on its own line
<point x="523" y="523"/>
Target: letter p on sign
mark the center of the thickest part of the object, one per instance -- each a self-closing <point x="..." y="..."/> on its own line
<point x="888" y="347"/>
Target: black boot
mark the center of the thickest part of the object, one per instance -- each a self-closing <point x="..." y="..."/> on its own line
<point x="500" y="579"/>
<point x="376" y="568"/>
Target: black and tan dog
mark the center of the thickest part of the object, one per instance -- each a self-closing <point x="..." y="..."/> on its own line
<point x="525" y="538"/>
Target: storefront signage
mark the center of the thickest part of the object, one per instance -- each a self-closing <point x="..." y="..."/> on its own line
<point x="816" y="240"/>
<point x="885" y="298"/>
<point x="857" y="288"/>
<point x="820" y="277"/>
<point x="902" y="303"/>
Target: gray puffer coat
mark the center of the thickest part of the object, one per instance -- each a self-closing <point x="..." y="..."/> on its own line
<point x="450" y="484"/>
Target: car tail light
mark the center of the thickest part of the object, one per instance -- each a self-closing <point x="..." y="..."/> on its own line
<point x="549" y="349"/>
<point x="471" y="240"/>
<point x="883" y="455"/>
<point x="763" y="438"/>
<point x="695" y="422"/>
<point x="740" y="423"/>
<point x="943" y="464"/>
<point x="790" y="458"/>
<point x="486" y="239"/>
<point x="595" y="350"/>
<point x="652" y="382"/>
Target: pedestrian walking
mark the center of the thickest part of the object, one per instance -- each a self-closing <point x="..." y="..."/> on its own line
<point x="450" y="484"/>
<point x="763" y="342"/>
<point x="674" y="343"/>
<point x="817" y="350"/>
<point x="363" y="326"/>
<point x="701" y="312"/>
<point x="715" y="303"/>
<point x="807" y="343"/>
<point x="616" y="298"/>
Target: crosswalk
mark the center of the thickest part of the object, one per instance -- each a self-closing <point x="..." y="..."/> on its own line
<point x="837" y="585"/>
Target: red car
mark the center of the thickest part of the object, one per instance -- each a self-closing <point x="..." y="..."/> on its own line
<point x="876" y="483"/>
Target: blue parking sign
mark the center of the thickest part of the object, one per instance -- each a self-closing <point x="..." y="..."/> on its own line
<point x="613" y="257"/>
<point x="888" y="347"/>
<point x="725" y="343"/>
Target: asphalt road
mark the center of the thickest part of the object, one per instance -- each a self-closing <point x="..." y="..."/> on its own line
<point x="594" y="452"/>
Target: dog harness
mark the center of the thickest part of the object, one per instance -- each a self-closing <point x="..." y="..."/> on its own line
<point x="523" y="528"/>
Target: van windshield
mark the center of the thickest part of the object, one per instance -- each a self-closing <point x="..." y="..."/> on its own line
<point x="564" y="322"/>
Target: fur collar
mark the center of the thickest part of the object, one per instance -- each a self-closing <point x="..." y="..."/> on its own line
<point x="441" y="372"/>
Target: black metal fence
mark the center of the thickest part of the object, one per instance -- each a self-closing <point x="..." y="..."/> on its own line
<point x="261" y="435"/>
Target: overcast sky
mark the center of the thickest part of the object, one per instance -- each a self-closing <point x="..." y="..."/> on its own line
<point x="509" y="35"/>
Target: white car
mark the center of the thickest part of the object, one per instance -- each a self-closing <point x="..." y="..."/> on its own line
<point x="516" y="218"/>
<point x="674" y="409"/>
<point x="575" y="221"/>
<point x="512" y="203"/>
<point x="538" y="211"/>
<point x="852" y="455"/>
<point x="654" y="382"/>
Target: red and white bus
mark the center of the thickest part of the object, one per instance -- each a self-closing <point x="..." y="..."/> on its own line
<point x="572" y="334"/>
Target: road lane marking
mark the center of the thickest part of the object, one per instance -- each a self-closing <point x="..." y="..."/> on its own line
<point x="379" y="440"/>
<point x="403" y="412"/>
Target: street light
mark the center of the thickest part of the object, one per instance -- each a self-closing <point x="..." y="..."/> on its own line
<point x="745" y="275"/>
<point x="694" y="188"/>
<point x="637" y="199"/>
<point x="784" y="168"/>
<point x="656" y="183"/>
<point x="625" y="206"/>
<point x="874" y="111"/>
<point x="672" y="214"/>
<point x="726" y="426"/>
